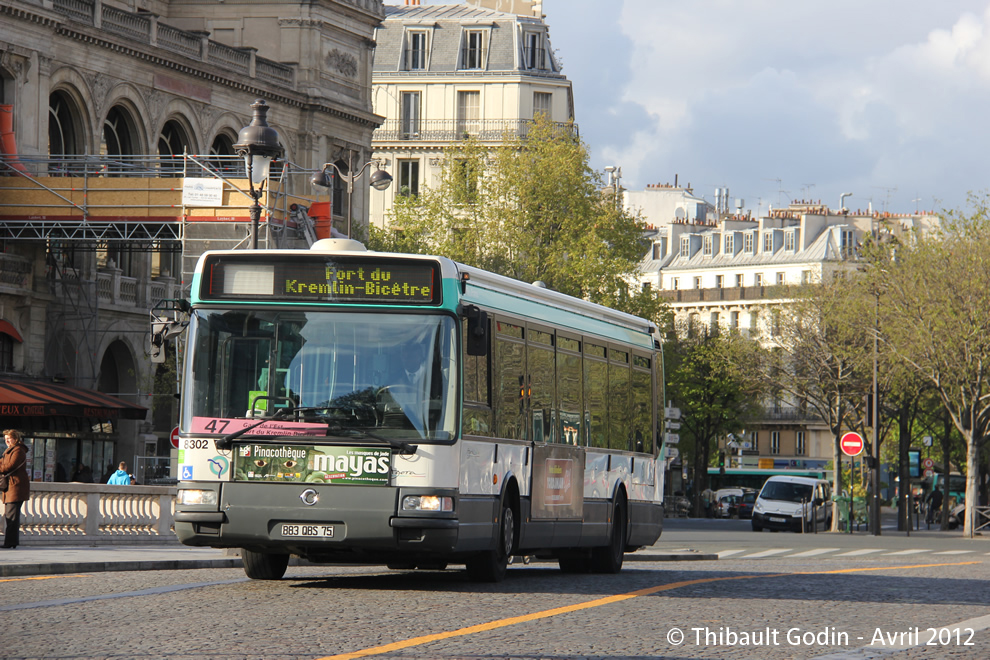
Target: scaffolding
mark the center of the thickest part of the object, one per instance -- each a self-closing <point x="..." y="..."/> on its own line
<point x="184" y="204"/>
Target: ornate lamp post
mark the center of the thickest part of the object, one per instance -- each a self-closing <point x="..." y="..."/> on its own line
<point x="257" y="144"/>
<point x="380" y="180"/>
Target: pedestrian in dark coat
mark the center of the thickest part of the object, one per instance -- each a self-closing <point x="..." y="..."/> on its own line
<point x="14" y="464"/>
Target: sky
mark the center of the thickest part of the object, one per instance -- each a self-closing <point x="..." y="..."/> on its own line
<point x="784" y="100"/>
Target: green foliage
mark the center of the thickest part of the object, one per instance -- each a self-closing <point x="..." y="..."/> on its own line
<point x="709" y="379"/>
<point x="531" y="209"/>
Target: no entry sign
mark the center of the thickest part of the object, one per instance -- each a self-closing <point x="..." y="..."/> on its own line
<point x="851" y="444"/>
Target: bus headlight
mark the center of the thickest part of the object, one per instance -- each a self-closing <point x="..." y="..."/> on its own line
<point x="194" y="496"/>
<point x="427" y="503"/>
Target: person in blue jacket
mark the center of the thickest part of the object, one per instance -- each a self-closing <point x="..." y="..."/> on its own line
<point x="120" y="477"/>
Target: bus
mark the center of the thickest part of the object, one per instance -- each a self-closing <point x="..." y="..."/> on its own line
<point x="743" y="477"/>
<point x="348" y="406"/>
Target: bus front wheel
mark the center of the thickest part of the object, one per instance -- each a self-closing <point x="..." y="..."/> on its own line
<point x="263" y="566"/>
<point x="491" y="565"/>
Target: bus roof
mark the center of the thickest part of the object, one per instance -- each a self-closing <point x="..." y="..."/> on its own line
<point x="486" y="289"/>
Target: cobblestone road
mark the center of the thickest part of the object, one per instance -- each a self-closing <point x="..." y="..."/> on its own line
<point x="793" y="607"/>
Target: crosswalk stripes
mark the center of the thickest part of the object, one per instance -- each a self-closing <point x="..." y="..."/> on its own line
<point x="828" y="553"/>
<point x="766" y="553"/>
<point x="816" y="551"/>
<point x="953" y="552"/>
<point x="860" y="552"/>
<point x="913" y="551"/>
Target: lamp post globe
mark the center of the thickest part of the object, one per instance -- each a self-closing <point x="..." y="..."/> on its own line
<point x="257" y="143"/>
<point x="380" y="179"/>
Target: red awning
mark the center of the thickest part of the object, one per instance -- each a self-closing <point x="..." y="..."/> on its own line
<point x="7" y="329"/>
<point x="39" y="399"/>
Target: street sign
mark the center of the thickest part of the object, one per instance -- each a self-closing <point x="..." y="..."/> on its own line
<point x="927" y="440"/>
<point x="928" y="463"/>
<point x="672" y="452"/>
<point x="673" y="426"/>
<point x="929" y="473"/>
<point x="174" y="437"/>
<point x="851" y="444"/>
<point x="672" y="438"/>
<point x="672" y="413"/>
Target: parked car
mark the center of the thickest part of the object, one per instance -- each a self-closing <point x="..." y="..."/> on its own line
<point x="746" y="504"/>
<point x="727" y="502"/>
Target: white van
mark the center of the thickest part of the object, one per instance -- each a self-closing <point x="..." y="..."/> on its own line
<point x="797" y="503"/>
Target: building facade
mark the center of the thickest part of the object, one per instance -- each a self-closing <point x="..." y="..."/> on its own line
<point x="446" y="72"/>
<point x="108" y="109"/>
<point x="731" y="272"/>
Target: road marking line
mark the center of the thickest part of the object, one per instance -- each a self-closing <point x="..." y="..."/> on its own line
<point x="953" y="552"/>
<point x="608" y="600"/>
<point x="860" y="553"/>
<point x="908" y="552"/>
<point x="766" y="553"/>
<point x="816" y="551"/>
<point x="44" y="577"/>
<point x="728" y="553"/>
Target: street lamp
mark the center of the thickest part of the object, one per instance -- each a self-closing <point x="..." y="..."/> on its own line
<point x="380" y="180"/>
<point x="257" y="143"/>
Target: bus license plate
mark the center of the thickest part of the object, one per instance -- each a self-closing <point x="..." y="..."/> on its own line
<point x="308" y="531"/>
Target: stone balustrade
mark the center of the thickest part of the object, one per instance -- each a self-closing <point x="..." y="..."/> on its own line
<point x="98" y="514"/>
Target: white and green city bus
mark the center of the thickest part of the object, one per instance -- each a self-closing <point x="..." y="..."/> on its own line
<point x="343" y="405"/>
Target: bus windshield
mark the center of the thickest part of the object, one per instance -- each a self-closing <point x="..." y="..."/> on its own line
<point x="335" y="372"/>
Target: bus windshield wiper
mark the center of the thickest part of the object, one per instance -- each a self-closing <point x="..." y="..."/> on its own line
<point x="225" y="441"/>
<point x="400" y="446"/>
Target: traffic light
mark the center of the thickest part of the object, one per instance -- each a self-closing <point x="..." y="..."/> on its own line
<point x="721" y="462"/>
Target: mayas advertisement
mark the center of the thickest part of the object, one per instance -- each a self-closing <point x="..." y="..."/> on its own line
<point x="309" y="464"/>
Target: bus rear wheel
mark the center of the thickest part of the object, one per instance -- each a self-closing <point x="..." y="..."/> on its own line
<point x="264" y="566"/>
<point x="491" y="565"/>
<point x="608" y="559"/>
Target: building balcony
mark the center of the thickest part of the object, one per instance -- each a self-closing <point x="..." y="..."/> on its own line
<point x="432" y="131"/>
<point x="727" y="294"/>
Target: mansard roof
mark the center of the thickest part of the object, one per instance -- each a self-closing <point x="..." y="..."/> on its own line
<point x="444" y="13"/>
<point x="823" y="248"/>
<point x="446" y="23"/>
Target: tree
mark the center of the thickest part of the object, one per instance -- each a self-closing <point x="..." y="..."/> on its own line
<point x="708" y="378"/>
<point x="937" y="297"/>
<point x="532" y="209"/>
<point x="819" y="358"/>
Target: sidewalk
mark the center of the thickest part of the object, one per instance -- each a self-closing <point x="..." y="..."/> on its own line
<point x="26" y="560"/>
<point x="56" y="560"/>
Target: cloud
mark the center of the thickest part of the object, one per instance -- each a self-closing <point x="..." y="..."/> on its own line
<point x="880" y="95"/>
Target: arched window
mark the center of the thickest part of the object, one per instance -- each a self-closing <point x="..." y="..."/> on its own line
<point x="223" y="157"/>
<point x="65" y="138"/>
<point x="172" y="143"/>
<point x="118" y="132"/>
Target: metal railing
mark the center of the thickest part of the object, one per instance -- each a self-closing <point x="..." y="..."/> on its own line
<point x="452" y="130"/>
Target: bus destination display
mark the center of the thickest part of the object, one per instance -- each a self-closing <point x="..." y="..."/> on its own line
<point x="318" y="278"/>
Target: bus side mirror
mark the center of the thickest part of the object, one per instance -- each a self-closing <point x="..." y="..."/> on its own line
<point x="477" y="330"/>
<point x="161" y="331"/>
<point x="157" y="351"/>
